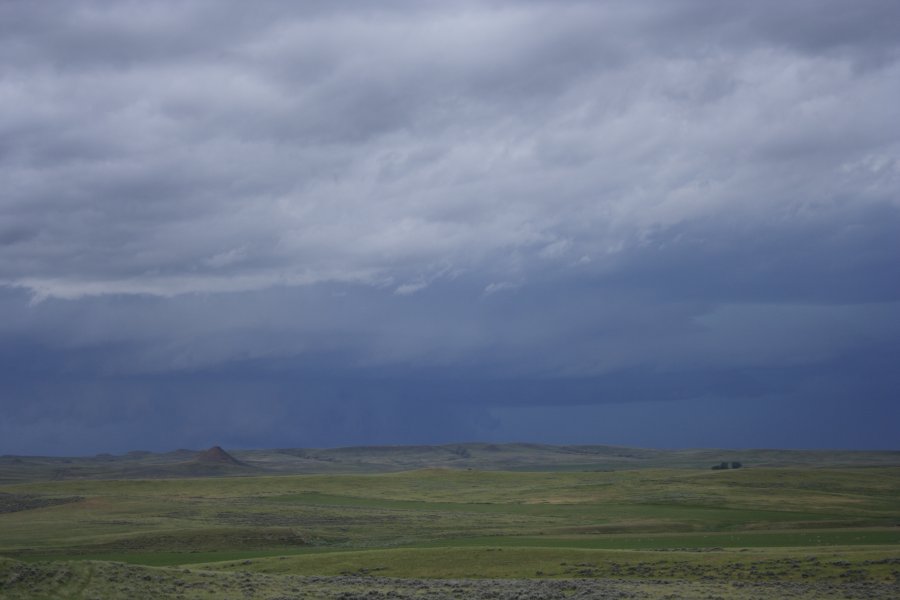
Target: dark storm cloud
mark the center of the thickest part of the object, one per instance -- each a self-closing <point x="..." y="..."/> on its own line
<point x="431" y="210"/>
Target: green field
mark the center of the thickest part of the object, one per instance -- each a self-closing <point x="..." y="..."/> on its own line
<point x="755" y="526"/>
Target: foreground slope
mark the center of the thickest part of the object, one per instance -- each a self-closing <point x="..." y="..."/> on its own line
<point x="83" y="580"/>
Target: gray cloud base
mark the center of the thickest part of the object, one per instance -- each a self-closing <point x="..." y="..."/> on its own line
<point x="443" y="215"/>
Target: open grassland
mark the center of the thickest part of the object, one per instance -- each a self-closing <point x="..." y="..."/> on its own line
<point x="817" y="532"/>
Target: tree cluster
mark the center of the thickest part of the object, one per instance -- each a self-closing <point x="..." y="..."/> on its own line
<point x="725" y="465"/>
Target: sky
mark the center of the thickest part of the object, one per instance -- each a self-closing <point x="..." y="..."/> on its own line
<point x="283" y="224"/>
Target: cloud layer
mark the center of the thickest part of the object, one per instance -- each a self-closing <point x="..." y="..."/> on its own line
<point x="520" y="203"/>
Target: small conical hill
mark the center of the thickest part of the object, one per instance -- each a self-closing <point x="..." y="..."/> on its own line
<point x="216" y="455"/>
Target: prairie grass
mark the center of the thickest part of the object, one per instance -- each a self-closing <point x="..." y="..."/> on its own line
<point x="748" y="526"/>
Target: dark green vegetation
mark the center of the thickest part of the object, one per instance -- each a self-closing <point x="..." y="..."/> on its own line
<point x="793" y="520"/>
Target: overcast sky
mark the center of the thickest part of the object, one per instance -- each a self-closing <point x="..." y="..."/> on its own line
<point x="666" y="224"/>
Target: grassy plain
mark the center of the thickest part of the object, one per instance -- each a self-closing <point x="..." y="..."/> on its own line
<point x="828" y="532"/>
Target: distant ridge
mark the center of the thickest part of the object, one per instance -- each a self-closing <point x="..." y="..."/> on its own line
<point x="216" y="455"/>
<point x="216" y="462"/>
